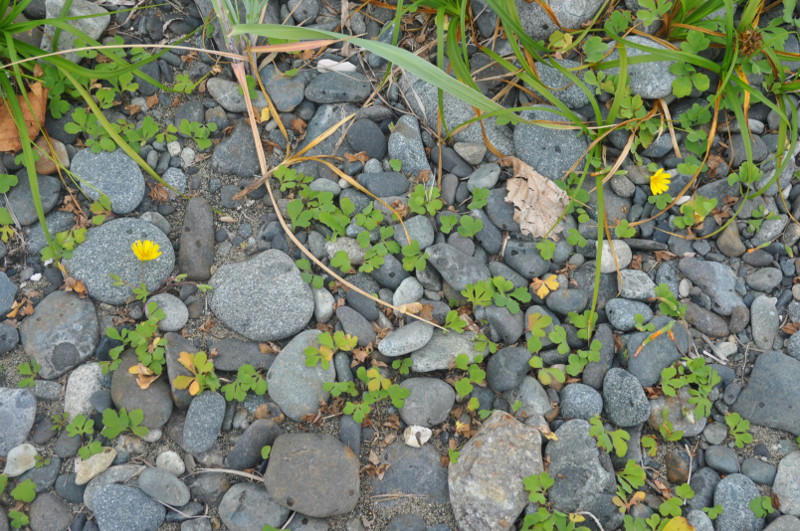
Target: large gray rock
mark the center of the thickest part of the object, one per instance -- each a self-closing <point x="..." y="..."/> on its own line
<point x="771" y="394"/>
<point x="303" y="467"/>
<point x="114" y="174"/>
<point x="550" y="152"/>
<point x="107" y="251"/>
<point x="20" y="203"/>
<point x="584" y="477"/>
<point x="61" y="333"/>
<point x="295" y="387"/>
<point x="429" y="402"/>
<point x="279" y="304"/>
<point x="87" y="21"/>
<point x="570" y="14"/>
<point x="424" y="101"/>
<point x="486" y="483"/>
<point x="734" y="493"/>
<point x="123" y="508"/>
<point x="715" y="279"/>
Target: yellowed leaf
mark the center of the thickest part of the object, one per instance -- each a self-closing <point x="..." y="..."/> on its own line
<point x="410" y="308"/>
<point x="679" y="523"/>
<point x="9" y="135"/>
<point x="537" y="201"/>
<point x="194" y="387"/>
<point x="542" y="288"/>
<point x="265" y="114"/>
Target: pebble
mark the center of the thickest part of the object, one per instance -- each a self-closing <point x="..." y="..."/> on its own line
<point x="233" y="353"/>
<point x="203" y="422"/>
<point x="764" y="279"/>
<point x="636" y="285"/>
<point x="705" y="321"/>
<point x="471" y="152"/>
<point x="236" y="155"/>
<point x="17" y="413"/>
<point x="88" y="469"/>
<point x="48" y="512"/>
<point x="249" y="507"/>
<point x="534" y="401"/>
<point x="484" y="177"/>
<point x="715" y="432"/>
<point x="566" y="301"/>
<point x="764" y="321"/>
<point x="170" y="461"/>
<point x="20" y="199"/>
<point x="279" y="302"/>
<point x="162" y="486"/>
<point x="246" y="453"/>
<point x="411" y="472"/>
<point x="177" y="314"/>
<point x="652" y="79"/>
<point x="123" y="508"/>
<point x="734" y="493"/>
<point x="583" y="481"/>
<point x="659" y="353"/>
<point x="503" y="448"/>
<point x="196" y="251"/>
<point x="406" y="339"/>
<point x="722" y="459"/>
<point x="303" y="466"/>
<point x="622" y="312"/>
<point x="356" y="325"/>
<point x="19" y="460"/>
<point x="229" y="95"/>
<point x="419" y="228"/>
<point x="441" y="351"/>
<point x="62" y="332"/>
<point x="429" y="403"/>
<point x="405" y="145"/>
<point x="625" y="403"/>
<point x="114" y="174"/>
<point x="384" y="184"/>
<point x="760" y="472"/>
<point x="509" y="326"/>
<point x="365" y="135"/>
<point x="579" y="401"/>
<point x="286" y="92"/>
<point x="571" y="14"/>
<point x="155" y="401"/>
<point x="296" y="388"/>
<point x="107" y="249"/>
<point x="715" y="279"/>
<point x="523" y="258"/>
<point x="338" y="87"/>
<point x="83" y="382"/>
<point x="551" y="151"/>
<point x="623" y="253"/>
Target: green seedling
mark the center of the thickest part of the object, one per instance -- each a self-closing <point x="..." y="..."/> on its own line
<point x="537" y="486"/>
<point x="203" y="375"/>
<point x="425" y="200"/>
<point x="480" y="197"/>
<point x="29" y="370"/>
<point x="616" y="440"/>
<point x="739" y="428"/>
<point x="247" y="379"/>
<point x="118" y="422"/>
<point x="475" y="375"/>
<point x="328" y="345"/>
<point x="403" y="366"/>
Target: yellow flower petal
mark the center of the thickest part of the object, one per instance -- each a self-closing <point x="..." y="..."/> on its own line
<point x="659" y="182"/>
<point x="145" y="250"/>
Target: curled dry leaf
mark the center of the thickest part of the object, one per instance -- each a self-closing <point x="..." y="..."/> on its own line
<point x="538" y="202"/>
<point x="9" y="136"/>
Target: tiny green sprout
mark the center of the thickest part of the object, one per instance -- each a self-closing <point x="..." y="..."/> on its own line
<point x="739" y="429"/>
<point x="537" y="486"/>
<point x="29" y="370"/>
<point x="403" y="366"/>
<point x="413" y="258"/>
<point x="247" y="379"/>
<point x="616" y="440"/>
<point x="91" y="448"/>
<point x="762" y="506"/>
<point x="453" y="455"/>
<point x="480" y="197"/>
<point x="80" y="426"/>
<point x="425" y="200"/>
<point x="667" y="430"/>
<point x="328" y="346"/>
<point x="470" y="226"/>
<point x="117" y="422"/>
<point x="713" y="512"/>
<point x="447" y="223"/>
<point x="341" y="261"/>
<point x="649" y="445"/>
<point x="454" y="322"/>
<point x="265" y="451"/>
<point x="395" y="164"/>
<point x="641" y="326"/>
<point x="516" y="405"/>
<point x="473" y="404"/>
<point x="546" y="248"/>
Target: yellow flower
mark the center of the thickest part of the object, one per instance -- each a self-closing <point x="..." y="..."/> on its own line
<point x="659" y="182"/>
<point x="145" y="250"/>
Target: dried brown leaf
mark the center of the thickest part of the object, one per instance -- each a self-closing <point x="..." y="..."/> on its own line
<point x="9" y="136"/>
<point x="538" y="202"/>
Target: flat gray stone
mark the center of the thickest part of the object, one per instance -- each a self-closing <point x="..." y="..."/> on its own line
<point x="279" y="302"/>
<point x="295" y="387"/>
<point x="429" y="403"/>
<point x="771" y="394"/>
<point x="114" y="174"/>
<point x="61" y="333"/>
<point x="203" y="421"/>
<point x="406" y="339"/>
<point x="249" y="507"/>
<point x="107" y="250"/>
<point x="496" y="460"/>
<point x="303" y="467"/>
<point x="122" y="508"/>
